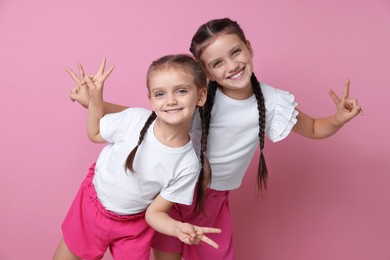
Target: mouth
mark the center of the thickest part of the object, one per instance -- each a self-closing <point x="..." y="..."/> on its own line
<point x="237" y="75"/>
<point x="172" y="111"/>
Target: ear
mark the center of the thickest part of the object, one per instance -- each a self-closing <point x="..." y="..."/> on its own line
<point x="248" y="45"/>
<point x="202" y="95"/>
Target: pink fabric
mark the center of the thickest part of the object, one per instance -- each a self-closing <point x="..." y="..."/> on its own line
<point x="89" y="229"/>
<point x="216" y="207"/>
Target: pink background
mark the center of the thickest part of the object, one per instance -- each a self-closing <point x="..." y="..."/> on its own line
<point x="327" y="199"/>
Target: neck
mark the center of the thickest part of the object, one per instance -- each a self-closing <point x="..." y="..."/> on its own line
<point x="238" y="94"/>
<point x="172" y="135"/>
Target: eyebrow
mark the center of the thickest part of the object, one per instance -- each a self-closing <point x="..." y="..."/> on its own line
<point x="161" y="88"/>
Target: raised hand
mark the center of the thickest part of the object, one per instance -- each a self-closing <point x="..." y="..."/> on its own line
<point x="80" y="92"/>
<point x="193" y="235"/>
<point x="347" y="108"/>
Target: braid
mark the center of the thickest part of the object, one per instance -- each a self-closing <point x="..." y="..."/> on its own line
<point x="205" y="173"/>
<point x="262" y="172"/>
<point x="130" y="158"/>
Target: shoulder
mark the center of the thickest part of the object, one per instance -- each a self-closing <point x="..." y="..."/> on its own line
<point x="269" y="91"/>
<point x="274" y="96"/>
<point x="135" y="113"/>
<point x="126" y="117"/>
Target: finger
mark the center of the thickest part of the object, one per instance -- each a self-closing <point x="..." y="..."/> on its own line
<point x="209" y="241"/>
<point x="346" y="90"/>
<point x="75" y="89"/>
<point x="102" y="66"/>
<point x="355" y="108"/>
<point x="81" y="70"/>
<point x="211" y="230"/>
<point x="361" y="112"/>
<point x="89" y="82"/>
<point x="108" y="72"/>
<point x="334" y="97"/>
<point x="72" y="74"/>
<point x="358" y="110"/>
<point x="194" y="240"/>
<point x="73" y="96"/>
<point x="352" y="102"/>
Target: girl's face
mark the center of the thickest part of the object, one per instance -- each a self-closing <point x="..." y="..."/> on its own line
<point x="228" y="61"/>
<point x="174" y="96"/>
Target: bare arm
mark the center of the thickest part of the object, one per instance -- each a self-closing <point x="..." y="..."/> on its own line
<point x="95" y="113"/>
<point x="158" y="218"/>
<point x="318" y="128"/>
<point x="94" y="86"/>
<point x="109" y="108"/>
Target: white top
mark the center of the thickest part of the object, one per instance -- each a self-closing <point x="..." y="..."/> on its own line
<point x="234" y="130"/>
<point x="159" y="169"/>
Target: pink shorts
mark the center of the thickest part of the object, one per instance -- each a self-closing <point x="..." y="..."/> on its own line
<point x="89" y="229"/>
<point x="216" y="207"/>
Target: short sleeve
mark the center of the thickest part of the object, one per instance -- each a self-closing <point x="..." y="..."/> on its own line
<point x="181" y="189"/>
<point x="281" y="113"/>
<point x="110" y="126"/>
<point x="113" y="126"/>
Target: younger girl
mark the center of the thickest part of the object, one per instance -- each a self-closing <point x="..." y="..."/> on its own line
<point x="149" y="163"/>
<point x="239" y="112"/>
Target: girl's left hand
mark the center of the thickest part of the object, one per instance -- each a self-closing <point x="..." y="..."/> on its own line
<point x="347" y="108"/>
<point x="193" y="235"/>
<point x="80" y="92"/>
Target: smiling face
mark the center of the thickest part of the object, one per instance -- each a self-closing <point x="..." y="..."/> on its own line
<point x="228" y="61"/>
<point x="174" y="95"/>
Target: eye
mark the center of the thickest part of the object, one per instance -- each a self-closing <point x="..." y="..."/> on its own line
<point x="182" y="92"/>
<point x="158" y="94"/>
<point x="216" y="64"/>
<point x="236" y="52"/>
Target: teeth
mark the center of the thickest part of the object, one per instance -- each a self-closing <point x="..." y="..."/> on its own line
<point x="173" y="110"/>
<point x="238" y="75"/>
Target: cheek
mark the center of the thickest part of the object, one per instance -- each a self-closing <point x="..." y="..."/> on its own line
<point x="154" y="103"/>
<point x="214" y="74"/>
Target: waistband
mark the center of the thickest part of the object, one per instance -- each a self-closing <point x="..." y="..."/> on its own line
<point x="112" y="215"/>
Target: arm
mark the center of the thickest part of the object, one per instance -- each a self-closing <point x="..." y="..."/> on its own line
<point x="324" y="127"/>
<point x="95" y="106"/>
<point x="80" y="92"/>
<point x="158" y="218"/>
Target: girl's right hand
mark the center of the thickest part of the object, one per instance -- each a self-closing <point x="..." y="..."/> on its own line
<point x="80" y="92"/>
<point x="98" y="79"/>
<point x="193" y="235"/>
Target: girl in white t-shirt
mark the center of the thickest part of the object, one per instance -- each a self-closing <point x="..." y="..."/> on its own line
<point x="148" y="165"/>
<point x="239" y="112"/>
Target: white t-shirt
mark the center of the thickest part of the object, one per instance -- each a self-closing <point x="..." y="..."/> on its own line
<point x="234" y="128"/>
<point x="159" y="169"/>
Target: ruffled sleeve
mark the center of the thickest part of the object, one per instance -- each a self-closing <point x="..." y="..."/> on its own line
<point x="281" y="113"/>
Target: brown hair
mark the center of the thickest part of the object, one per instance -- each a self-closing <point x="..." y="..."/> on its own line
<point x="187" y="63"/>
<point x="200" y="41"/>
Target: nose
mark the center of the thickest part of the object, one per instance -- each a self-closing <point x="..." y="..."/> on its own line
<point x="232" y="65"/>
<point x="172" y="99"/>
